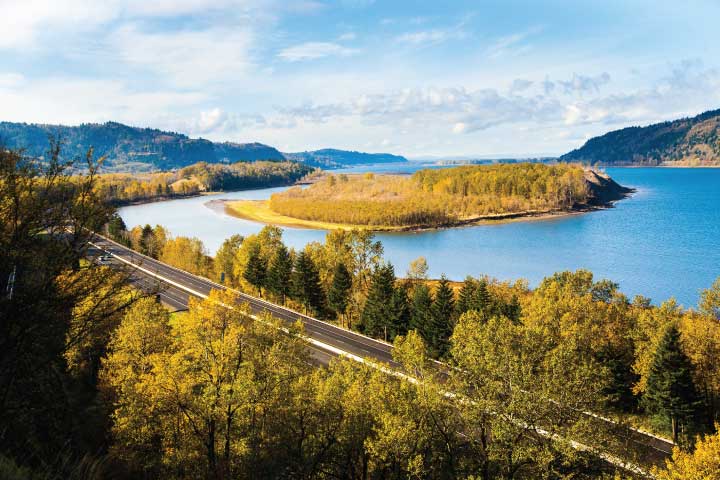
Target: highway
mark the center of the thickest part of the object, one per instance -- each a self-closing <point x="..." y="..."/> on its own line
<point x="175" y="286"/>
<point x="326" y="341"/>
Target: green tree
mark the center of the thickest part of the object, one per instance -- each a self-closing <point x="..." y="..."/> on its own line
<point x="339" y="294"/>
<point x="256" y="269"/>
<point x="378" y="312"/>
<point x="441" y="318"/>
<point x="466" y="296"/>
<point x="400" y="312"/>
<point x="670" y="391"/>
<point x="421" y="310"/>
<point x="279" y="272"/>
<point x="306" y="286"/>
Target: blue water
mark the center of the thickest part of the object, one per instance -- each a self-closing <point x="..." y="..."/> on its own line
<point x="662" y="242"/>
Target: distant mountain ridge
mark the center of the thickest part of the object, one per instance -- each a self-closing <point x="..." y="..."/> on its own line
<point x="133" y="149"/>
<point x="333" y="158"/>
<point x="688" y="141"/>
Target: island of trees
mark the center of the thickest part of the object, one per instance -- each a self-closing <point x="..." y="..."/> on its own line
<point x="437" y="197"/>
<point x="99" y="380"/>
<point x="124" y="188"/>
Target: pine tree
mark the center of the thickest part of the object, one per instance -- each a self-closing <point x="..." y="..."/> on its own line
<point x="421" y="310"/>
<point x="512" y="310"/>
<point x="305" y="284"/>
<point x="441" y="318"/>
<point x="481" y="300"/>
<point x="279" y="272"/>
<point x="466" y="297"/>
<point x="377" y="313"/>
<point x="339" y="294"/>
<point x="256" y="270"/>
<point x="671" y="392"/>
<point x="400" y="315"/>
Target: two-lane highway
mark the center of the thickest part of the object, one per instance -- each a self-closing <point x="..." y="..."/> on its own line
<point x="180" y="285"/>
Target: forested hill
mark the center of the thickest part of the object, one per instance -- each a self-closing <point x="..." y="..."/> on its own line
<point x="332" y="158"/>
<point x="131" y="148"/>
<point x="688" y="141"/>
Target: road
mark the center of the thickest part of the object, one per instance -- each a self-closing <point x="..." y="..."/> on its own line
<point x="175" y="286"/>
<point x="327" y="341"/>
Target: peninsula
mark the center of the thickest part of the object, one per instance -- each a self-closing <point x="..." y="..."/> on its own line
<point x="436" y="198"/>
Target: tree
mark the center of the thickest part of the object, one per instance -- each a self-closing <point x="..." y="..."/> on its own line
<point x="339" y="293"/>
<point x="225" y="257"/>
<point x="116" y="228"/>
<point x="421" y="311"/>
<point x="702" y="464"/>
<point x="400" y="312"/>
<point x="378" y="311"/>
<point x="48" y="413"/>
<point x="279" y="272"/>
<point x="418" y="269"/>
<point x="441" y="318"/>
<point x="670" y="390"/>
<point x="466" y="296"/>
<point x="305" y="283"/>
<point x="256" y="269"/>
<point x="710" y="300"/>
<point x="188" y="254"/>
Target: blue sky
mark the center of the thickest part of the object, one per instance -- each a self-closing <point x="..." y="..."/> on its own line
<point x="462" y="78"/>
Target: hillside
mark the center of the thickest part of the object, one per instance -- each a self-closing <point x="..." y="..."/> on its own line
<point x="332" y="158"/>
<point x="131" y="148"/>
<point x="685" y="142"/>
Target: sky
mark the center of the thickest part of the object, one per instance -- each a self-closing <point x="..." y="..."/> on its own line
<point x="416" y="78"/>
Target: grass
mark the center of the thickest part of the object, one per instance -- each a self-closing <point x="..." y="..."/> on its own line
<point x="259" y="211"/>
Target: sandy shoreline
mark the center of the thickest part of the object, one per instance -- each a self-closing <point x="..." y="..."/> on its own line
<point x="252" y="214"/>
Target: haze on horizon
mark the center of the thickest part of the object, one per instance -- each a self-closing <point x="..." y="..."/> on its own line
<point x="513" y="77"/>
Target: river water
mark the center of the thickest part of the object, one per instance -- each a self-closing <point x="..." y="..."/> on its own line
<point x="663" y="241"/>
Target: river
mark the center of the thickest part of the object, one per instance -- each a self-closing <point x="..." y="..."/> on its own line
<point x="663" y="241"/>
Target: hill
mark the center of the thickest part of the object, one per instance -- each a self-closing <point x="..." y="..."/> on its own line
<point x="131" y="148"/>
<point x="685" y="142"/>
<point x="332" y="158"/>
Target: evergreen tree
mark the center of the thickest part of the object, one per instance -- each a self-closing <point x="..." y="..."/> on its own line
<point x="377" y="313"/>
<point x="339" y="294"/>
<point x="147" y="239"/>
<point x="279" y="273"/>
<point x="305" y="284"/>
<point x="256" y="270"/>
<point x="512" y="310"/>
<point x="671" y="392"/>
<point x="441" y="318"/>
<point x="466" y="297"/>
<point x="481" y="300"/>
<point x="400" y="315"/>
<point x="421" y="310"/>
<point x="116" y="228"/>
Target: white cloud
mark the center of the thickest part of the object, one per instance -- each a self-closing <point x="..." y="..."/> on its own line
<point x="428" y="36"/>
<point x="187" y="58"/>
<point x="511" y="45"/>
<point x="314" y="51"/>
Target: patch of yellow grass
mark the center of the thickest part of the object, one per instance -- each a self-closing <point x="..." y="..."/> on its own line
<point x="259" y="211"/>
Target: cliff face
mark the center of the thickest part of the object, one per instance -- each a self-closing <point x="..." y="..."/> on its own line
<point x="603" y="189"/>
<point x="688" y="141"/>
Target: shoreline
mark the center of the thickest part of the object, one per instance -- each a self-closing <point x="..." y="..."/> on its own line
<point x="267" y="217"/>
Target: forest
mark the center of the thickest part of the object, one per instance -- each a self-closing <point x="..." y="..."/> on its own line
<point x="435" y="197"/>
<point x="123" y="188"/>
<point x="99" y="380"/>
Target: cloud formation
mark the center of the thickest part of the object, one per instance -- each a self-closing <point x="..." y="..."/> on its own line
<point x="315" y="50"/>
